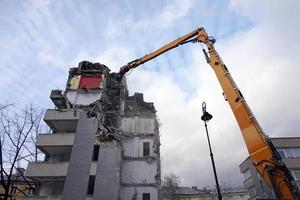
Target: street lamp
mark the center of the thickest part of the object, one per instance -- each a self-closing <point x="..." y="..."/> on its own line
<point x="206" y="117"/>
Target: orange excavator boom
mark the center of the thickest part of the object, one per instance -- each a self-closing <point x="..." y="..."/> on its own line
<point x="263" y="154"/>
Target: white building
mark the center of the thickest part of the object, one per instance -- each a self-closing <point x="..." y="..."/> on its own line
<point x="104" y="144"/>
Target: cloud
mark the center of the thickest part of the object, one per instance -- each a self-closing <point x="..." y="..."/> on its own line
<point x="42" y="39"/>
<point x="172" y="12"/>
<point x="266" y="72"/>
<point x="153" y="22"/>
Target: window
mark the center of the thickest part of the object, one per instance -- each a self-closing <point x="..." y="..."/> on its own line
<point x="297" y="152"/>
<point x="146" y="196"/>
<point x="91" y="185"/>
<point x="95" y="153"/>
<point x="281" y="152"/>
<point x="14" y="190"/>
<point x="296" y="174"/>
<point x="261" y="183"/>
<point x="247" y="174"/>
<point x="252" y="191"/>
<point x="30" y="191"/>
<point x="289" y="152"/>
<point x="146" y="149"/>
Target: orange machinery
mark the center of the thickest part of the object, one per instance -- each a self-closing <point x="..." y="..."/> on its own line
<point x="261" y="150"/>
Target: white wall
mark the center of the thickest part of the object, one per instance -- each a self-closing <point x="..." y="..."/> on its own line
<point x="139" y="171"/>
<point x="138" y="125"/>
<point x="133" y="146"/>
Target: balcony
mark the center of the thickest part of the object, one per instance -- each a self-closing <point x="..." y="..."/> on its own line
<point x="51" y="171"/>
<point x="47" y="171"/>
<point x="55" y="143"/>
<point x="62" y="120"/>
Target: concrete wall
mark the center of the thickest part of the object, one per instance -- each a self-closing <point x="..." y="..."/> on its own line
<point x="138" y="125"/>
<point x="76" y="183"/>
<point x="62" y="120"/>
<point x="57" y="139"/>
<point x="108" y="182"/>
<point x="133" y="146"/>
<point x="139" y="172"/>
<point x="46" y="169"/>
<point x="286" y="142"/>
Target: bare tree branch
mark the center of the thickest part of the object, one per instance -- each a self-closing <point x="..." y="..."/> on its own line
<point x="2" y="107"/>
<point x="20" y="129"/>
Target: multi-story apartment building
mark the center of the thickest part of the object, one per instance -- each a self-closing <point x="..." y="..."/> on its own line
<point x="289" y="149"/>
<point x="104" y="143"/>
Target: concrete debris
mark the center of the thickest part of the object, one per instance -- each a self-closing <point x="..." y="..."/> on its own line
<point x="58" y="99"/>
<point x="86" y="67"/>
<point x="92" y="88"/>
<point x="135" y="105"/>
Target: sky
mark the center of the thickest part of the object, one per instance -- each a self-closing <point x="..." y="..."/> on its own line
<point x="258" y="40"/>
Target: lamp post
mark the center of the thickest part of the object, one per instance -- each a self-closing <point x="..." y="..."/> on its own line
<point x="206" y="117"/>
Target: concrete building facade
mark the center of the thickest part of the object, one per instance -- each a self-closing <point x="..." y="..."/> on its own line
<point x="104" y="143"/>
<point x="289" y="149"/>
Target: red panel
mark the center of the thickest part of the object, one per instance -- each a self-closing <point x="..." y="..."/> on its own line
<point x="90" y="81"/>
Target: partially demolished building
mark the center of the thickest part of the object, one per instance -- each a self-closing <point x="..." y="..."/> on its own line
<point x="104" y="143"/>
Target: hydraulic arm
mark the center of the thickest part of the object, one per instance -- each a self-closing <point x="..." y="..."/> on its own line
<point x="261" y="150"/>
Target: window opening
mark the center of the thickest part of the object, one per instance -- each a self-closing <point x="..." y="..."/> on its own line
<point x="95" y="153"/>
<point x="146" y="196"/>
<point x="91" y="185"/>
<point x="146" y="149"/>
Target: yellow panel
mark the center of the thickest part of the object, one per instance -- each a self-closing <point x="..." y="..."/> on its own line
<point x="74" y="82"/>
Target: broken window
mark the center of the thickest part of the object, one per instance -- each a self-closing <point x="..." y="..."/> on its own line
<point x="146" y="196"/>
<point x="95" y="152"/>
<point x="91" y="185"/>
<point x="146" y="149"/>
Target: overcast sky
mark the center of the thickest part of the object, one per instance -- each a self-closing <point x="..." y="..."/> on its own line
<point x="258" y="40"/>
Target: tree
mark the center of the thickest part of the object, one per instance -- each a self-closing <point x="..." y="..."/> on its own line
<point x="18" y="131"/>
<point x="171" y="182"/>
